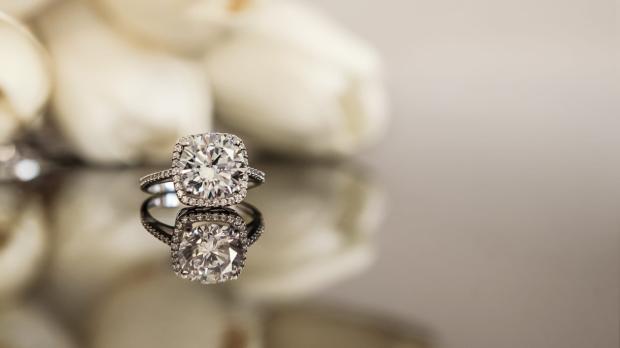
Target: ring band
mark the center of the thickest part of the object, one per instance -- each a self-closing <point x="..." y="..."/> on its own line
<point x="208" y="170"/>
<point x="161" y="182"/>
<point x="207" y="244"/>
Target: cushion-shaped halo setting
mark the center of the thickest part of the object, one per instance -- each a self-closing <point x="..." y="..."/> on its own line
<point x="210" y="169"/>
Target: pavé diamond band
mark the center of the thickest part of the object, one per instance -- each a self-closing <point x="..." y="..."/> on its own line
<point x="208" y="170"/>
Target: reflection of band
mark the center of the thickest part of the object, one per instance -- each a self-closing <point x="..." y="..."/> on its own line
<point x="164" y="232"/>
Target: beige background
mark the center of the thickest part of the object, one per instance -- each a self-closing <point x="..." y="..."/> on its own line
<point x="501" y="170"/>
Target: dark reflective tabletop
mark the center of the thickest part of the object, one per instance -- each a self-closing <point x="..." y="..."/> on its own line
<point x="80" y="270"/>
<point x="342" y="262"/>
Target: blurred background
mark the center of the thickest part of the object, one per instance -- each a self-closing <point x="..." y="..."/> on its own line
<point x="439" y="174"/>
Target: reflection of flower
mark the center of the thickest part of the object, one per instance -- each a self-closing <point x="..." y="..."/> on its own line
<point x="27" y="325"/>
<point x="98" y="236"/>
<point x="108" y="279"/>
<point x="319" y="326"/>
<point x="23" y="239"/>
<point x="317" y="226"/>
<point x="115" y="101"/>
<point x="164" y="311"/>
<point x="24" y="78"/>
<point x="297" y="82"/>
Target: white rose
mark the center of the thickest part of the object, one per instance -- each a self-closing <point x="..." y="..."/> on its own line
<point x="25" y="81"/>
<point x="186" y="26"/>
<point x="314" y="237"/>
<point x="296" y="82"/>
<point x="116" y="101"/>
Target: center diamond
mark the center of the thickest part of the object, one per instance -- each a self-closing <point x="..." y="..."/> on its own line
<point x="212" y="167"/>
<point x="210" y="252"/>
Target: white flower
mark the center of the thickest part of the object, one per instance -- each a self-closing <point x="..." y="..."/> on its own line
<point x="114" y="100"/>
<point x="22" y="8"/>
<point x="24" y="78"/>
<point x="296" y="82"/>
<point x="186" y="26"/>
<point x="313" y="238"/>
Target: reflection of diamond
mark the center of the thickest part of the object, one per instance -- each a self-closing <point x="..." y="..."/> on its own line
<point x="211" y="251"/>
<point x="211" y="167"/>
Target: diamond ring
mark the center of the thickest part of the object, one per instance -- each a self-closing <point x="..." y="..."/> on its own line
<point x="207" y="244"/>
<point x="208" y="170"/>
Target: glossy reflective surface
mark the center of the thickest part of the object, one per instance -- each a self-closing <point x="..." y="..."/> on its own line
<point x="80" y="270"/>
<point x="337" y="266"/>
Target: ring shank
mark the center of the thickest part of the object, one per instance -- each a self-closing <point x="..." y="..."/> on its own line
<point x="161" y="182"/>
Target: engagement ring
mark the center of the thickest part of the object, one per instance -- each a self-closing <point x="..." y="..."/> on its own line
<point x="208" y="170"/>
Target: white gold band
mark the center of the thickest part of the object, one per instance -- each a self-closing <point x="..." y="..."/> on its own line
<point x="162" y="181"/>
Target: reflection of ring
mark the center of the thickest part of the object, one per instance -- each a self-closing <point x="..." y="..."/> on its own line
<point x="208" y="244"/>
<point x="208" y="170"/>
